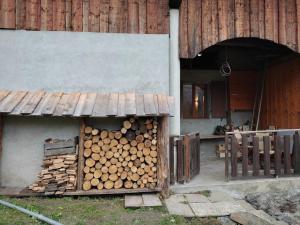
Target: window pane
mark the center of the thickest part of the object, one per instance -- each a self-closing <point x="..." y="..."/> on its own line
<point x="187" y="101"/>
<point x="199" y="101"/>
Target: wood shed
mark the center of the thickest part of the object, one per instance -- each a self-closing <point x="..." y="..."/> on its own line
<point x="154" y="108"/>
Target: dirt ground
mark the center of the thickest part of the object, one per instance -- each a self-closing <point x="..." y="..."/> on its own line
<point x="84" y="210"/>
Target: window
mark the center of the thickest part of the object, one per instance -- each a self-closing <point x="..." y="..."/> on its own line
<point x="194" y="101"/>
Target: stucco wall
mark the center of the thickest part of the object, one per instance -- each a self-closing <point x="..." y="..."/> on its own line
<point x="23" y="139"/>
<point x="84" y="61"/>
<point x="69" y="61"/>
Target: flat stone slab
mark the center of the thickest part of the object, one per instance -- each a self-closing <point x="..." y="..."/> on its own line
<point x="219" y="196"/>
<point x="133" y="201"/>
<point x="262" y="214"/>
<point x="254" y="217"/>
<point x="177" y="205"/>
<point x="245" y="205"/>
<point x="215" y="208"/>
<point x="142" y="200"/>
<point x="196" y="198"/>
<point x="151" y="200"/>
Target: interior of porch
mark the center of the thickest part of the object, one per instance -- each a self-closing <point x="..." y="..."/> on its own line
<point x="236" y="85"/>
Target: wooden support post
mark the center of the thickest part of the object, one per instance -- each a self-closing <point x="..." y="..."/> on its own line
<point x="296" y="153"/>
<point x="187" y="158"/>
<point x="180" y="161"/>
<point x="256" y="156"/>
<point x="226" y="158"/>
<point x="287" y="155"/>
<point x="80" y="155"/>
<point x="234" y="150"/>
<point x="171" y="155"/>
<point x="278" y="153"/>
<point x="267" y="149"/>
<point x="1" y="144"/>
<point x="163" y="156"/>
<point x="245" y="155"/>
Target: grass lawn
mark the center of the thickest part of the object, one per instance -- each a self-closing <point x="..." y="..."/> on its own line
<point x="96" y="210"/>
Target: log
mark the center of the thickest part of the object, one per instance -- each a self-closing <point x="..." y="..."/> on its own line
<point x="127" y="124"/>
<point x="88" y="130"/>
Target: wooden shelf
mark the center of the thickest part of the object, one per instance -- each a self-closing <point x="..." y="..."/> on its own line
<point x="112" y="191"/>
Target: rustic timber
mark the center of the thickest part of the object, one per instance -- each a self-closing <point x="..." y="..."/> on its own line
<point x="204" y="23"/>
<point x="1" y="141"/>
<point x="267" y="149"/>
<point x="234" y="152"/>
<point x="296" y="153"/>
<point x="245" y="155"/>
<point x="278" y="153"/>
<point x="78" y="104"/>
<point x="163" y="156"/>
<point x="287" y="155"/>
<point x="86" y="15"/>
<point x="80" y="155"/>
<point x="180" y="161"/>
<point x="256" y="165"/>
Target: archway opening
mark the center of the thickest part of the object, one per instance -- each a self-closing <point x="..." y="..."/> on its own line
<point x="242" y="83"/>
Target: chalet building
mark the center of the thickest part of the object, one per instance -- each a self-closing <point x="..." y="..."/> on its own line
<point x="115" y="96"/>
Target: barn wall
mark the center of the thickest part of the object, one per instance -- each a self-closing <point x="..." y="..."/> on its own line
<point x="281" y="105"/>
<point x="68" y="61"/>
<point x="23" y="139"/>
<point x="204" y="23"/>
<point x="108" y="16"/>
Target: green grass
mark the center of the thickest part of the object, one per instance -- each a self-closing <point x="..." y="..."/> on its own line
<point x="96" y="210"/>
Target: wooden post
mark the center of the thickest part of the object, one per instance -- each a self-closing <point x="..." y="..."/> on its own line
<point x="256" y="156"/>
<point x="187" y="157"/>
<point x="80" y="155"/>
<point x="267" y="148"/>
<point x="163" y="156"/>
<point x="234" y="152"/>
<point x="1" y="139"/>
<point x="171" y="155"/>
<point x="245" y="155"/>
<point x="226" y="158"/>
<point x="278" y="153"/>
<point x="180" y="161"/>
<point x="296" y="153"/>
<point x="287" y="155"/>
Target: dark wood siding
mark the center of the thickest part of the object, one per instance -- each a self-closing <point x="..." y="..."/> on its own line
<point x="218" y="99"/>
<point x="110" y="16"/>
<point x="281" y="104"/>
<point x="204" y="22"/>
<point x="242" y="90"/>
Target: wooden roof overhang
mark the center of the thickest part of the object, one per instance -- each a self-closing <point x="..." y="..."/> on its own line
<point x="77" y="104"/>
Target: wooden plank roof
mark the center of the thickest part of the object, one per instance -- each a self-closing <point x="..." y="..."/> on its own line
<point x="41" y="103"/>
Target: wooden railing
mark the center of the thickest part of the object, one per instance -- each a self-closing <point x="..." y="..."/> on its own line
<point x="184" y="157"/>
<point x="269" y="153"/>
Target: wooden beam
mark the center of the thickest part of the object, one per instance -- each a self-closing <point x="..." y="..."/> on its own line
<point x="1" y="143"/>
<point x="80" y="155"/>
<point x="163" y="156"/>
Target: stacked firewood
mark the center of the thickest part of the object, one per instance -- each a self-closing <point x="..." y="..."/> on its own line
<point x="126" y="158"/>
<point x="59" y="174"/>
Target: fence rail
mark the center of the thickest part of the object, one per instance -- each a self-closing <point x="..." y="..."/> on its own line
<point x="184" y="157"/>
<point x="266" y="153"/>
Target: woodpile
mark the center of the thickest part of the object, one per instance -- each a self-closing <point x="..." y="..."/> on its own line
<point x="126" y="158"/>
<point x="59" y="174"/>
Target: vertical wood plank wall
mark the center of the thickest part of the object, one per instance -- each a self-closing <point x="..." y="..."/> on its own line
<point x="109" y="16"/>
<point x="204" y="22"/>
<point x="281" y="102"/>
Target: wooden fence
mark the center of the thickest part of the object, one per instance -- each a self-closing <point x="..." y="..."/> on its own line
<point x="270" y="153"/>
<point x="184" y="157"/>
